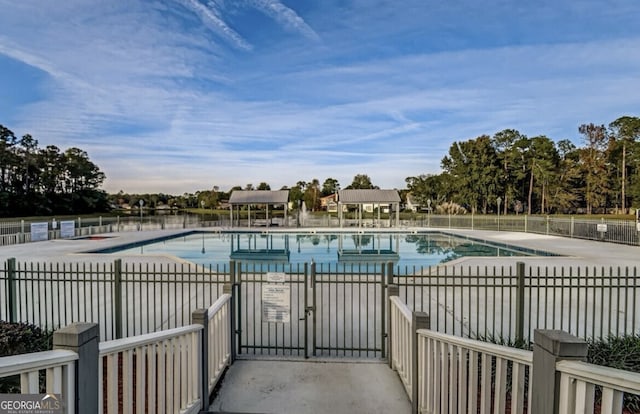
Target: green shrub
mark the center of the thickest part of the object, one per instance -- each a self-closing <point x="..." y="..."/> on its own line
<point x="21" y="338"/>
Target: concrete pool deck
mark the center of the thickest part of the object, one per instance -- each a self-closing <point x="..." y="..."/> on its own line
<point x="574" y="252"/>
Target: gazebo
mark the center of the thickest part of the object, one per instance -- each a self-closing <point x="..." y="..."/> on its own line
<point x="255" y="197"/>
<point x="379" y="198"/>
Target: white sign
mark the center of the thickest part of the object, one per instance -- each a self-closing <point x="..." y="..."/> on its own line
<point x="276" y="303"/>
<point x="67" y="229"/>
<point x="602" y="228"/>
<point x="275" y="277"/>
<point x="638" y="226"/>
<point x="39" y="231"/>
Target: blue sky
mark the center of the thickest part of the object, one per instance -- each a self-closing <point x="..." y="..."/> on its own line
<point x="180" y="95"/>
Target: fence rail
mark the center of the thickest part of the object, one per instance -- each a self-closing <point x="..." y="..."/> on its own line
<point x="463" y="375"/>
<point x="454" y="374"/>
<point x="509" y="303"/>
<point x="59" y="369"/>
<point x="581" y="383"/>
<point x="400" y="333"/>
<point x="157" y="372"/>
<point x="217" y="339"/>
<point x="125" y="299"/>
<point x="170" y="371"/>
<point x="506" y="303"/>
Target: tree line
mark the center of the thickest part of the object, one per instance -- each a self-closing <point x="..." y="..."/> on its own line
<point x="519" y="174"/>
<point x="508" y="171"/>
<point x="308" y="192"/>
<point x="44" y="181"/>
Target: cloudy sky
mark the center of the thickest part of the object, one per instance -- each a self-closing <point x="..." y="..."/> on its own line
<point x="179" y="95"/>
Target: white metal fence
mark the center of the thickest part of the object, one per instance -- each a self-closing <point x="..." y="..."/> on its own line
<point x="219" y="343"/>
<point x="401" y="352"/>
<point x="59" y="369"/>
<point x="157" y="372"/>
<point x="452" y="374"/>
<point x="166" y="371"/>
<point x="463" y="375"/>
<point x="584" y="386"/>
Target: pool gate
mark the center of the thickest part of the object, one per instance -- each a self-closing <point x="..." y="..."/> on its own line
<point x="311" y="310"/>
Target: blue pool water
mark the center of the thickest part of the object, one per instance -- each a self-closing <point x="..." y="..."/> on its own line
<point x="403" y="249"/>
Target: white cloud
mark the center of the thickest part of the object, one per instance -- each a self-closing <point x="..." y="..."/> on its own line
<point x="211" y="18"/>
<point x="285" y="16"/>
<point x="161" y="105"/>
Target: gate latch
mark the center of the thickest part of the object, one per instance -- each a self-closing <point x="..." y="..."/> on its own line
<point x="307" y="312"/>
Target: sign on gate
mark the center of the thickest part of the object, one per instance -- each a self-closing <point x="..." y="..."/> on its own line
<point x="276" y="303"/>
<point x="275" y="277"/>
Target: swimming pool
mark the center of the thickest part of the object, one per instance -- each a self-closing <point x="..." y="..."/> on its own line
<point x="404" y="249"/>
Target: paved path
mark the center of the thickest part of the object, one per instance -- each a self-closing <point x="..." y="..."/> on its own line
<point x="301" y="387"/>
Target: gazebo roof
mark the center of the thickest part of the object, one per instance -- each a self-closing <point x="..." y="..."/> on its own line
<point x="368" y="196"/>
<point x="259" y="197"/>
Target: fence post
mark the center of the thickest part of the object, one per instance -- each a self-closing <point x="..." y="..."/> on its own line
<point x="551" y="346"/>
<point x="393" y="290"/>
<point x="312" y="272"/>
<point x="525" y="223"/>
<point x="520" y="275"/>
<point x="383" y="318"/>
<point x="236" y="304"/>
<point x="229" y="288"/>
<point x="82" y="338"/>
<point x="306" y="310"/>
<point x="572" y="226"/>
<point x="419" y="320"/>
<point x="389" y="273"/>
<point x="117" y="296"/>
<point x="11" y="290"/>
<point x="547" y="225"/>
<point x="23" y="238"/>
<point x="201" y="317"/>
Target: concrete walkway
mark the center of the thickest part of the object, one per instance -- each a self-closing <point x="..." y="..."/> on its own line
<point x="280" y="386"/>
